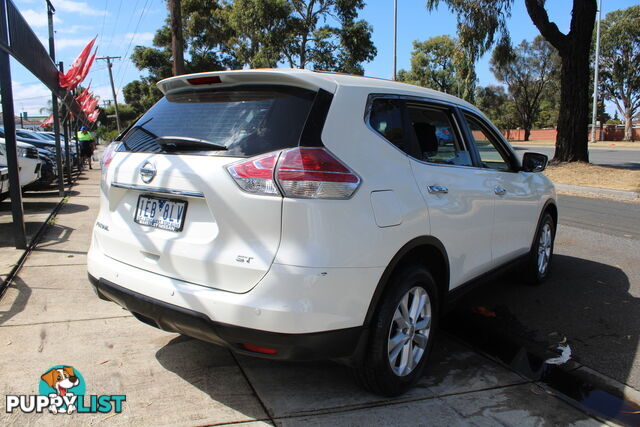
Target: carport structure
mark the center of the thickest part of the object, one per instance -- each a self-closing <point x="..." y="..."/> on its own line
<point x="19" y="41"/>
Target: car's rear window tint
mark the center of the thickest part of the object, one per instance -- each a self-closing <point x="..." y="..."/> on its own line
<point x="247" y="121"/>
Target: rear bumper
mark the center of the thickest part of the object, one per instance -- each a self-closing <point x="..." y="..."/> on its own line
<point x="172" y="318"/>
<point x="303" y="313"/>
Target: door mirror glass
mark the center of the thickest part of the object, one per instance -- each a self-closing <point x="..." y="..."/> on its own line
<point x="534" y="162"/>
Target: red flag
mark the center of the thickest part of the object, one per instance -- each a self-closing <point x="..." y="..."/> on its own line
<point x="87" y="67"/>
<point x="84" y="95"/>
<point x="90" y="105"/>
<point x="94" y="115"/>
<point x="47" y="122"/>
<point x="71" y="78"/>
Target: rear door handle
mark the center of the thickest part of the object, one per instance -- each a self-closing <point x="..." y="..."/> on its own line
<point x="437" y="189"/>
<point x="500" y="190"/>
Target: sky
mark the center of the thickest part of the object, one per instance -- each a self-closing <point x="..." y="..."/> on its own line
<point x="121" y="25"/>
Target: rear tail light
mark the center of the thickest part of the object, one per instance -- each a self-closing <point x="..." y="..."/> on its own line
<point x="314" y="173"/>
<point x="255" y="175"/>
<point x="107" y="157"/>
<point x="304" y="173"/>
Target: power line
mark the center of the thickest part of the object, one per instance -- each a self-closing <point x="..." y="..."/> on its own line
<point x="144" y="10"/>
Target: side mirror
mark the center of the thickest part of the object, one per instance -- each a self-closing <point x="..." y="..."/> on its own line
<point x="534" y="162"/>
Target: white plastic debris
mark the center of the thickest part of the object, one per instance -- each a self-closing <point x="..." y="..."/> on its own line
<point x="563" y="358"/>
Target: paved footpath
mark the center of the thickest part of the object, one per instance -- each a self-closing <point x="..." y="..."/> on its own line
<point x="50" y="316"/>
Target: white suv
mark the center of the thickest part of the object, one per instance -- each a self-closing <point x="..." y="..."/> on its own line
<point x="292" y="214"/>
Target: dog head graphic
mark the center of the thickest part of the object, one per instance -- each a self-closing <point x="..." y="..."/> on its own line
<point x="61" y="379"/>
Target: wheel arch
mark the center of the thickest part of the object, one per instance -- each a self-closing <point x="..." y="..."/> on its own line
<point x="425" y="250"/>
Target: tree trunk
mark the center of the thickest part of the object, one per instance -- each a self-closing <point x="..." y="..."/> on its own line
<point x="527" y="133"/>
<point x="573" y="118"/>
<point x="574" y="49"/>
<point x="628" y="125"/>
<point x="177" y="42"/>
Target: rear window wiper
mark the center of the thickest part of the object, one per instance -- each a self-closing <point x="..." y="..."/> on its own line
<point x="184" y="143"/>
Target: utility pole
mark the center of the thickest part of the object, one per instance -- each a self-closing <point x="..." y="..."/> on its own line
<point x="177" y="43"/>
<point x="595" y="75"/>
<point x="113" y="88"/>
<point x="395" y="37"/>
<point x="54" y="104"/>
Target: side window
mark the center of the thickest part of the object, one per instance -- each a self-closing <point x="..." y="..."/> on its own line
<point x="386" y="118"/>
<point x="491" y="153"/>
<point x="436" y="136"/>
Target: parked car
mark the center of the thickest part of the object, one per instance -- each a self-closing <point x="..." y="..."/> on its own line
<point x="28" y="161"/>
<point x="4" y="182"/>
<point x="48" y="145"/>
<point x="291" y="214"/>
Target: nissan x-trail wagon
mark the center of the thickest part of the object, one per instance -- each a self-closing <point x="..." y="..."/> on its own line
<point x="292" y="214"/>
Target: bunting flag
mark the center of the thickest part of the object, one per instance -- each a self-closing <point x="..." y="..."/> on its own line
<point x="47" y="122"/>
<point x="74" y="74"/>
<point x="87" y="67"/>
<point x="94" y="115"/>
<point x="90" y="104"/>
<point x="84" y="95"/>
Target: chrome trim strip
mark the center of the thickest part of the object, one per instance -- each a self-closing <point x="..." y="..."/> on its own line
<point x="157" y="190"/>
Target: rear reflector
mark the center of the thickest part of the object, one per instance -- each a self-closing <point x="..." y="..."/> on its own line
<point x="204" y="80"/>
<point x="256" y="349"/>
<point x="255" y="175"/>
<point x="314" y="173"/>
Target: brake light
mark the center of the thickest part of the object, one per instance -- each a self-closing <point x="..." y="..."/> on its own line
<point x="305" y="173"/>
<point x="314" y="173"/>
<point x="108" y="154"/>
<point x="107" y="157"/>
<point x="205" y="80"/>
<point x="255" y="175"/>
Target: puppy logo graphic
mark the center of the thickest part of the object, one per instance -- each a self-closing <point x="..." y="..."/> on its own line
<point x="60" y="383"/>
<point x="62" y="390"/>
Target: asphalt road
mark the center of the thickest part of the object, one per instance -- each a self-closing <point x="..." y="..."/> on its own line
<point x="601" y="215"/>
<point x="591" y="300"/>
<point x="627" y="158"/>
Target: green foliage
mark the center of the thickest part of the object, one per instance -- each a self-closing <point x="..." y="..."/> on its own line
<point x="496" y="104"/>
<point x="108" y="128"/>
<point x="620" y="62"/>
<point x="432" y="65"/>
<point x="221" y="35"/>
<point x="526" y="71"/>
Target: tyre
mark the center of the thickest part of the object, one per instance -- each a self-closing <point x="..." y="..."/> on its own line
<point x="541" y="254"/>
<point x="402" y="334"/>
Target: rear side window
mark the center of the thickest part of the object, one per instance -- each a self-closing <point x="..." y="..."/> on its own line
<point x="386" y="118"/>
<point x="240" y="121"/>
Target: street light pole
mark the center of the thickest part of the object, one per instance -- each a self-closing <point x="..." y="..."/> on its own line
<point x="595" y="75"/>
<point x="113" y="89"/>
<point x="395" y="37"/>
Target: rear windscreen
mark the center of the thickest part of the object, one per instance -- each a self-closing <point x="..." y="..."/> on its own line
<point x="240" y="121"/>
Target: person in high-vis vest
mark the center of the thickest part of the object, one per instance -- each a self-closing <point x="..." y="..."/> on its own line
<point x="86" y="145"/>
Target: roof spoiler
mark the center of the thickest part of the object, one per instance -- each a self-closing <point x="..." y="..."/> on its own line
<point x="298" y="78"/>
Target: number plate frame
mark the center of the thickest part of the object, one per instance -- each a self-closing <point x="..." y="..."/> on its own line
<point x="154" y="225"/>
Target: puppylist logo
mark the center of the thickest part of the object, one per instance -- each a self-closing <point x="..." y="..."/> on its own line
<point x="63" y="391"/>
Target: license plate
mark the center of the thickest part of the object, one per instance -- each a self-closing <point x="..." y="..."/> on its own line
<point x="166" y="214"/>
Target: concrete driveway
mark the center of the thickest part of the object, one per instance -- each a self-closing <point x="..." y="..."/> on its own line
<point x="49" y="316"/>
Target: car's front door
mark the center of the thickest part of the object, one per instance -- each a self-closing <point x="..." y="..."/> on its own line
<point x="516" y="201"/>
<point x="459" y="197"/>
